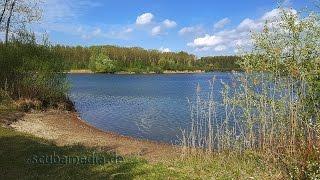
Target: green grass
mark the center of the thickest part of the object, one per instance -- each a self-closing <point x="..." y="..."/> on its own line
<point x="227" y="166"/>
<point x="17" y="148"/>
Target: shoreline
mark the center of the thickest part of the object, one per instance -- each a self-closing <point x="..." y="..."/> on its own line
<point x="87" y="71"/>
<point x="67" y="128"/>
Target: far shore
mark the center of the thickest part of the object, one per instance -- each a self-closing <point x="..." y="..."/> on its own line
<point x="80" y="71"/>
<point x="87" y="71"/>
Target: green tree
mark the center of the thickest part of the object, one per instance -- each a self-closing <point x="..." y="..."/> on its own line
<point x="167" y="64"/>
<point x="32" y="71"/>
<point x="289" y="46"/>
<point x="286" y="56"/>
<point x="102" y="63"/>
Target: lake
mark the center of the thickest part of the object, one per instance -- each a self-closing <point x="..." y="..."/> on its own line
<point x="153" y="107"/>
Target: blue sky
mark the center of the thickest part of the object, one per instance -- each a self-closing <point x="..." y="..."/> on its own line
<point x="202" y="27"/>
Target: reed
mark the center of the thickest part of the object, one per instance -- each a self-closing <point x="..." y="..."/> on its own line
<point x="260" y="113"/>
<point x="271" y="108"/>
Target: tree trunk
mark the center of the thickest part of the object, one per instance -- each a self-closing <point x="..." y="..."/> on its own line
<point x="9" y="20"/>
<point x="3" y="11"/>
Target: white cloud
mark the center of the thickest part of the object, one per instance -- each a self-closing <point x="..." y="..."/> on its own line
<point x="186" y="30"/>
<point x="276" y="13"/>
<point x="201" y="49"/>
<point x="64" y="16"/>
<point x="220" y="48"/>
<point x="56" y="10"/>
<point x="88" y="33"/>
<point x="271" y="14"/>
<point x="162" y="49"/>
<point x="207" y="40"/>
<point x="191" y="30"/>
<point x="169" y="23"/>
<point x="249" y="24"/>
<point x="230" y="40"/>
<point x="96" y="32"/>
<point x="89" y="3"/>
<point x="161" y="27"/>
<point x="144" y="19"/>
<point x="286" y="3"/>
<point x="158" y="27"/>
<point x="128" y="30"/>
<point x="65" y="10"/>
<point x="220" y="24"/>
<point x="156" y="31"/>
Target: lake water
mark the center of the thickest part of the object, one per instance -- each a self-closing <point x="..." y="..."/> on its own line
<point x="153" y="107"/>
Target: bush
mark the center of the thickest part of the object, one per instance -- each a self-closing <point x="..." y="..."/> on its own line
<point x="32" y="71"/>
<point x="102" y="63"/>
<point x="273" y="107"/>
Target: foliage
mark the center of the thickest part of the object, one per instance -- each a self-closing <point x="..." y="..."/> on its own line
<point x="220" y="63"/>
<point x="272" y="107"/>
<point x="293" y="52"/>
<point x="32" y="71"/>
<point x="76" y="57"/>
<point x="141" y="60"/>
<point x="167" y="64"/>
<point x="102" y="63"/>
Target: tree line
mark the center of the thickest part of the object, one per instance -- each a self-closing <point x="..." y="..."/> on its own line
<point x="220" y="63"/>
<point x="111" y="59"/>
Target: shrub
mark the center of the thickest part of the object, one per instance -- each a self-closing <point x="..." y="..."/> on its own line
<point x="32" y="71"/>
<point x="102" y="63"/>
<point x="272" y="107"/>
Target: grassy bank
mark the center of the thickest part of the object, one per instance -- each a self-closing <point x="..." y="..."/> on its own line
<point x="18" y="147"/>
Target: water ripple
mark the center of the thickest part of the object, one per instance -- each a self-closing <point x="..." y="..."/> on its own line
<point x="145" y="106"/>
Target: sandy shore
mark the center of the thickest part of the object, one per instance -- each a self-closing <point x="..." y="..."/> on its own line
<point x="66" y="128"/>
<point x="183" y="72"/>
<point x="86" y="71"/>
<point x="81" y="71"/>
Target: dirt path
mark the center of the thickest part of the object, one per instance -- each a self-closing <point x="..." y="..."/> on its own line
<point x="65" y="128"/>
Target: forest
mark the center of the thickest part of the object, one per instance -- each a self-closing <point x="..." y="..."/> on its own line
<point x="110" y="59"/>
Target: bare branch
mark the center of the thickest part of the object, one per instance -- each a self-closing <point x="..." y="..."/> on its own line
<point x="3" y="11"/>
<point x="9" y="19"/>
